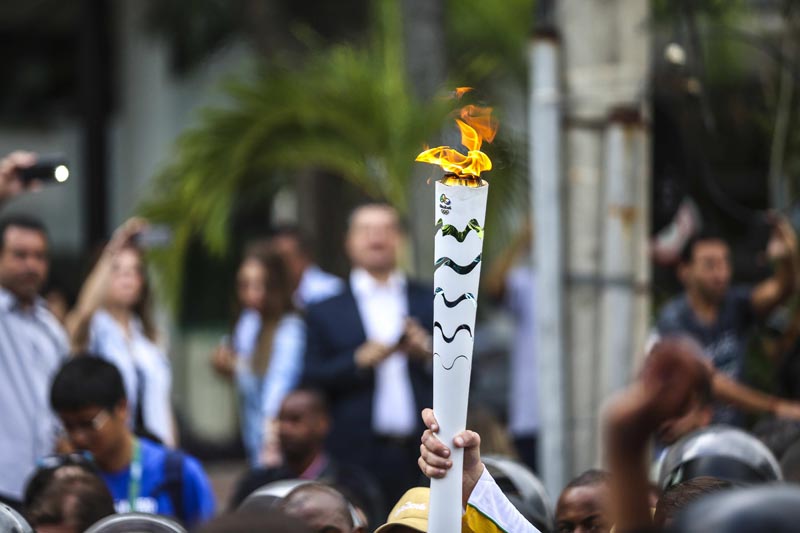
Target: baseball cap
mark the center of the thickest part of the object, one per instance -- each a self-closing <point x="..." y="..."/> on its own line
<point x="411" y="511"/>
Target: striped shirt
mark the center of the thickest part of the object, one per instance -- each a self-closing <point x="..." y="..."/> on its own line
<point x="32" y="347"/>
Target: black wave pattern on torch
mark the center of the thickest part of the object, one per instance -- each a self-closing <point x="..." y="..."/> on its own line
<point x="453" y="363"/>
<point x="458" y="269"/>
<point x="449" y="230"/>
<point x="452" y="303"/>
<point x="448" y="340"/>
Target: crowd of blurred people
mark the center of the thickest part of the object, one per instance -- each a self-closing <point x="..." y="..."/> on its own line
<point x="332" y="375"/>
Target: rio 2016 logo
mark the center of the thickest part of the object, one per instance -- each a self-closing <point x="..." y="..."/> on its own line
<point x="444" y="204"/>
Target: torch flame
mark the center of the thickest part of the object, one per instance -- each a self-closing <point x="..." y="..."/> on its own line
<point x="476" y="125"/>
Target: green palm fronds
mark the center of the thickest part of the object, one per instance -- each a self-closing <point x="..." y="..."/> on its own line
<point x="347" y="110"/>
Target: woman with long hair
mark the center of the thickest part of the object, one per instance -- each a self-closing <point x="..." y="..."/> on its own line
<point x="113" y="318"/>
<point x="266" y="354"/>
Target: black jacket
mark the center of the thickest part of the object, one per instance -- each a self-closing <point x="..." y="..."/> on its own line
<point x="334" y="332"/>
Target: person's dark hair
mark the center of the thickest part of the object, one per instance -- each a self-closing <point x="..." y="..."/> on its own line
<point x="589" y="478"/>
<point x="292" y="232"/>
<point x="50" y="467"/>
<point x="319" y="401"/>
<point x="279" y="287"/>
<point x="143" y="308"/>
<point x="73" y="497"/>
<point x="278" y="303"/>
<point x="308" y="490"/>
<point x="86" y="380"/>
<point x="678" y="497"/>
<point x="272" y="520"/>
<point x="687" y="252"/>
<point x="20" y="221"/>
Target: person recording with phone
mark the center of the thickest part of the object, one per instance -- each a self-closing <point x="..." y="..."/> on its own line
<point x="22" y="171"/>
<point x="32" y="342"/>
<point x="113" y="318"/>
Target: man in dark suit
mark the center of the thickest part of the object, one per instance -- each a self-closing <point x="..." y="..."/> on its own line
<point x="368" y="350"/>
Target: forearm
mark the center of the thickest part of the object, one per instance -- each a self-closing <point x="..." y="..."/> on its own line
<point x="93" y="289"/>
<point x="772" y="292"/>
<point x="78" y="325"/>
<point x="741" y="396"/>
<point x="629" y="487"/>
<point x="627" y="434"/>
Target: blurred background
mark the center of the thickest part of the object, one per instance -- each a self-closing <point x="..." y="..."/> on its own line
<point x="221" y="118"/>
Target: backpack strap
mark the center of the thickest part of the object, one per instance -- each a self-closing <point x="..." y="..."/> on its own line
<point x="173" y="482"/>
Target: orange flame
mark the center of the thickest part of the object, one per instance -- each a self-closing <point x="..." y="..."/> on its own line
<point x="476" y="125"/>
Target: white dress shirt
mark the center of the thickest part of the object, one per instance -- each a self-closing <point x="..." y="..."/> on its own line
<point x="383" y="308"/>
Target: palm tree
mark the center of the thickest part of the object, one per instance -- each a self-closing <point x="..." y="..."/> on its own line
<point x="347" y="110"/>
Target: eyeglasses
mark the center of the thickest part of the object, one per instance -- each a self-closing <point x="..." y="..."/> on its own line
<point x="89" y="426"/>
<point x="53" y="462"/>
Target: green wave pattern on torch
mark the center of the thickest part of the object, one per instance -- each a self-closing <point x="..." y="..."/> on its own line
<point x="451" y="231"/>
<point x="466" y="296"/>
<point x="459" y="269"/>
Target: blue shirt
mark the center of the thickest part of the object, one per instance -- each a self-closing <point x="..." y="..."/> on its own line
<point x="724" y="341"/>
<point x="153" y="498"/>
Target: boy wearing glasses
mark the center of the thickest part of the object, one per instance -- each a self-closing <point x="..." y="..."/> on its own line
<point x="143" y="476"/>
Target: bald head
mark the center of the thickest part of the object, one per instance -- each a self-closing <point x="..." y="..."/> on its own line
<point x="320" y="506"/>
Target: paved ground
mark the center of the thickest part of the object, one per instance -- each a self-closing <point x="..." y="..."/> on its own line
<point x="223" y="476"/>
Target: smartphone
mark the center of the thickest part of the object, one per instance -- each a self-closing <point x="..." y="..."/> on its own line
<point x="154" y="236"/>
<point x="48" y="169"/>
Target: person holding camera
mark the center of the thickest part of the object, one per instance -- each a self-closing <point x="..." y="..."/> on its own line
<point x="113" y="318"/>
<point x="32" y="342"/>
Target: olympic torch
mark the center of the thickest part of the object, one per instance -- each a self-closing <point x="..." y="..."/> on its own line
<point x="458" y="246"/>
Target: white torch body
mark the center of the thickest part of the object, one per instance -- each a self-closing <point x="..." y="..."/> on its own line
<point x="458" y="248"/>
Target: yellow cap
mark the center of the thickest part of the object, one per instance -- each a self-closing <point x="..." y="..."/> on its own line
<point x="411" y="511"/>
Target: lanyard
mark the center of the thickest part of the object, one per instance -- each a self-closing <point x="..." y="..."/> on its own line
<point x="135" y="482"/>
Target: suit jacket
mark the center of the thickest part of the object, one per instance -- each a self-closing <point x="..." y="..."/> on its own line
<point x="334" y="332"/>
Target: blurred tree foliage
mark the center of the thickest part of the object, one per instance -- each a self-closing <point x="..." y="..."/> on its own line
<point x="345" y="109"/>
<point x="194" y="29"/>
